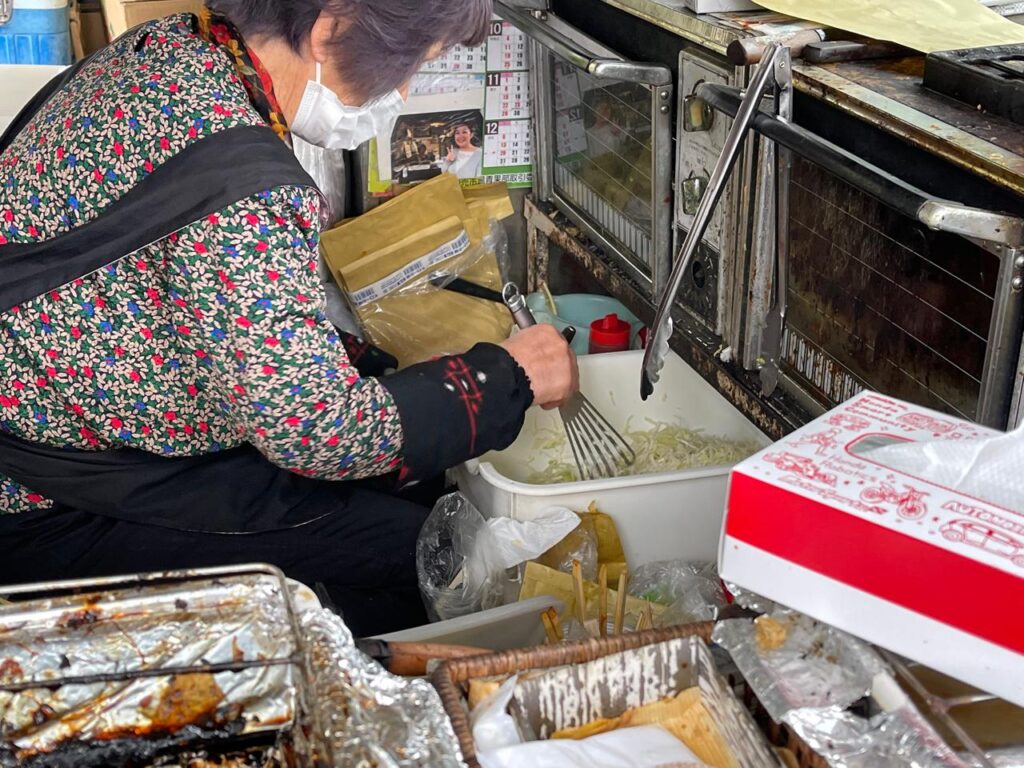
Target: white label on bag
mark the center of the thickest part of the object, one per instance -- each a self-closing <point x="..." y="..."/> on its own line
<point x="398" y="278"/>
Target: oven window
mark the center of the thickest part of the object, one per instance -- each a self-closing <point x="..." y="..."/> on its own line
<point x="878" y="301"/>
<point x="603" y="155"/>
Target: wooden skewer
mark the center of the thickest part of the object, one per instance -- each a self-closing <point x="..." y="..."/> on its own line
<point x="620" y="605"/>
<point x="550" y="619"/>
<point x="641" y="622"/>
<point x="602" y="600"/>
<point x="581" y="597"/>
<point x="648" y="617"/>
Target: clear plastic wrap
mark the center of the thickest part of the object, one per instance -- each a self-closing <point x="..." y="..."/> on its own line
<point x="750" y="600"/>
<point x="834" y="691"/>
<point x="327" y="169"/>
<point x="580" y="545"/>
<point x="692" y="591"/>
<point x="793" y="662"/>
<point x="1003" y="757"/>
<point x="467" y="564"/>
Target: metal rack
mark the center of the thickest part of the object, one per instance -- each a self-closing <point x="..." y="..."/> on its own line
<point x="155" y="664"/>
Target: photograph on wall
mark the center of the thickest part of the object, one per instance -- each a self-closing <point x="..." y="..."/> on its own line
<point x="468" y="113"/>
<point x="427" y="145"/>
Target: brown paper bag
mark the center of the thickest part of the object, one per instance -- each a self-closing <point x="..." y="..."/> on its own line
<point x="384" y="260"/>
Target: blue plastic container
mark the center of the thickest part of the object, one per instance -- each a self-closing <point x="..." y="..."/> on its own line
<point x="38" y="33"/>
<point x="580" y="310"/>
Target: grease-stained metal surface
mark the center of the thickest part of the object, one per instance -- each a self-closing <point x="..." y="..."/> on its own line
<point x="775" y="416"/>
<point x="889" y="95"/>
<point x="123" y="676"/>
<point x="886" y="93"/>
<point x="881" y="301"/>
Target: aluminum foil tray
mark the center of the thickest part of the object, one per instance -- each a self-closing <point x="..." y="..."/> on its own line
<point x="205" y="665"/>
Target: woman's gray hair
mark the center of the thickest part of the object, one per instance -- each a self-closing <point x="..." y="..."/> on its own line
<point x="385" y="42"/>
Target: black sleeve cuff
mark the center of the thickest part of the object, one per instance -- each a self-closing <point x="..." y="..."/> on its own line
<point x="457" y="408"/>
<point x="368" y="359"/>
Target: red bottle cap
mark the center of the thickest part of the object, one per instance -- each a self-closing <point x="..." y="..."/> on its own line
<point x="609" y="334"/>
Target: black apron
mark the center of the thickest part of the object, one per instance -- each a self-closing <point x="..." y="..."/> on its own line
<point x="232" y="491"/>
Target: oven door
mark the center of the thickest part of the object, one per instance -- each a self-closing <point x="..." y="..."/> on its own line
<point x="709" y="288"/>
<point x="889" y="288"/>
<point x="603" y="143"/>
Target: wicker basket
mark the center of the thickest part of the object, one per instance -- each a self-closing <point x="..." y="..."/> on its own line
<point x="451" y="678"/>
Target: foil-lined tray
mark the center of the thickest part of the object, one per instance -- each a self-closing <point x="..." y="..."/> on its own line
<point x="369" y="717"/>
<point x="227" y="667"/>
<point x="107" y="671"/>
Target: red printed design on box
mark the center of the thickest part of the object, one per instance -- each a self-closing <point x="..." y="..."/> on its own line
<point x="815" y="523"/>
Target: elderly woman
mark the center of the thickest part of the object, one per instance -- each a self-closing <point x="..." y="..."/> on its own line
<point x="171" y="394"/>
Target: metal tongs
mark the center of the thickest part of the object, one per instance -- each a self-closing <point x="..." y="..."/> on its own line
<point x="772" y="73"/>
<point x="598" y="450"/>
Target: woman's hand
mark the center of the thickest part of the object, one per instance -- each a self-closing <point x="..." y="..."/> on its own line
<point x="549" y="363"/>
<point x="451" y="155"/>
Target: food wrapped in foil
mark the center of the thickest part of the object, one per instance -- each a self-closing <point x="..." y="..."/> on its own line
<point x="901" y="738"/>
<point x="835" y="692"/>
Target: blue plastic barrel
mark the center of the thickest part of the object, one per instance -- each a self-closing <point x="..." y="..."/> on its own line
<point x="38" y="32"/>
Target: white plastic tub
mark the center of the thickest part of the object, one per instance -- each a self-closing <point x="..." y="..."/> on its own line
<point x="516" y="625"/>
<point x="659" y="517"/>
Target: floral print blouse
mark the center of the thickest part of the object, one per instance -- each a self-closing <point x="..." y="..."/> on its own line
<point x="214" y="336"/>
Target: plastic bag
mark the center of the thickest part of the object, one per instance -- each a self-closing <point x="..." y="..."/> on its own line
<point x="581" y="545"/>
<point x="394" y="262"/>
<point x="692" y="591"/>
<point x="595" y="543"/>
<point x="327" y="169"/>
<point x="463" y="560"/>
<point x="493" y="727"/>
<point x="645" y="746"/>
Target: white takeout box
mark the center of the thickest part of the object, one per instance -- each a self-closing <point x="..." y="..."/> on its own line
<point x="922" y="570"/>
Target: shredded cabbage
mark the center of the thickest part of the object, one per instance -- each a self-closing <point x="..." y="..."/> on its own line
<point x="664" y="447"/>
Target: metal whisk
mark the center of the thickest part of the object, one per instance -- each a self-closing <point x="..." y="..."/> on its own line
<point x="597" y="449"/>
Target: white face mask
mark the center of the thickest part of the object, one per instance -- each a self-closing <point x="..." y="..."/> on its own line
<point x="325" y="121"/>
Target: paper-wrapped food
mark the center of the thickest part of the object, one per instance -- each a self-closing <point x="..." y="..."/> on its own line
<point x="393" y="261"/>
